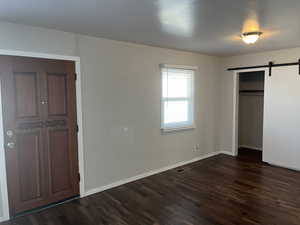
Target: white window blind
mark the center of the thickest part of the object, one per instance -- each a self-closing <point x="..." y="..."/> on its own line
<point x="177" y="98"/>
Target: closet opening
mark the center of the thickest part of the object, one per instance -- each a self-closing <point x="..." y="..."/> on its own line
<point x="250" y="103"/>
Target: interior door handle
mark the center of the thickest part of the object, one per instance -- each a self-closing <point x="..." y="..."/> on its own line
<point x="11" y="145"/>
<point x="9" y="133"/>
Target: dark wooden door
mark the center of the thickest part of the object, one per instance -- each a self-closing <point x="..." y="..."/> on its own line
<point x="39" y="118"/>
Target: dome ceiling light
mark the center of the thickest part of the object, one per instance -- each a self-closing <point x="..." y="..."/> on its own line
<point x="250" y="37"/>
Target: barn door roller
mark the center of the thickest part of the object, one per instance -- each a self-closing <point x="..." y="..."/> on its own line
<point x="270" y="68"/>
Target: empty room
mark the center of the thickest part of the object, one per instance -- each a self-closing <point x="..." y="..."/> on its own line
<point x="150" y="112"/>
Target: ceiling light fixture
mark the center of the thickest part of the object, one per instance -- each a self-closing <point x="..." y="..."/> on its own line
<point x="250" y="37"/>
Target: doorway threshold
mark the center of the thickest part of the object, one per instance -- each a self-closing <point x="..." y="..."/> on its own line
<point x="39" y="209"/>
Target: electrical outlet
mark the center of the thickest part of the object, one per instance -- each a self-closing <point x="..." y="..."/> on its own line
<point x="196" y="147"/>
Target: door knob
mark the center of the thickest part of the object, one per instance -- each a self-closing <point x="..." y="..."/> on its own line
<point x="9" y="133"/>
<point x="11" y="145"/>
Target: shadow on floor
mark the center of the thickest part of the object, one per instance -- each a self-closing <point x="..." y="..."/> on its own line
<point x="250" y="154"/>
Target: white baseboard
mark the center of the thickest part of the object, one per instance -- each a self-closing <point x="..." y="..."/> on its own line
<point x="276" y="164"/>
<point x="3" y="218"/>
<point x="226" y="153"/>
<point x="147" y="174"/>
<point x="250" y="147"/>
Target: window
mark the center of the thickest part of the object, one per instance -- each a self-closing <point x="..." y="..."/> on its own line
<point x="177" y="98"/>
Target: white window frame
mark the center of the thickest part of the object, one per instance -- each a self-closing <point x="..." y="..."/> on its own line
<point x="183" y="125"/>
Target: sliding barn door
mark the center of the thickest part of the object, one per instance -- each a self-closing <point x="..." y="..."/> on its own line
<point x="281" y="141"/>
<point x="39" y="118"/>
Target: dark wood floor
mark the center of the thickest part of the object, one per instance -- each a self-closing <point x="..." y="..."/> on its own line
<point x="219" y="190"/>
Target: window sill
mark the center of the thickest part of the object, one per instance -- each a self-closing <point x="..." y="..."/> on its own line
<point x="177" y="129"/>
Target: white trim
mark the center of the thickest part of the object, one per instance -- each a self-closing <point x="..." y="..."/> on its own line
<point x="278" y="164"/>
<point x="250" y="147"/>
<point x="227" y="153"/>
<point x="3" y="180"/>
<point x="178" y="67"/>
<point x="235" y="114"/>
<point x="80" y="126"/>
<point x="38" y="55"/>
<point x="236" y="106"/>
<point x="174" y="129"/>
<point x="147" y="174"/>
<point x="3" y="177"/>
<point x="3" y="219"/>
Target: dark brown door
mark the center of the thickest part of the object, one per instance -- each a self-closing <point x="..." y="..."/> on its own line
<point x="39" y="116"/>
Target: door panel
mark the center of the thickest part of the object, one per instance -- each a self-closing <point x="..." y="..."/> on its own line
<point x="57" y="94"/>
<point x="26" y="95"/>
<point x="39" y="116"/>
<point x="281" y="118"/>
<point x="60" y="169"/>
<point x="29" y="145"/>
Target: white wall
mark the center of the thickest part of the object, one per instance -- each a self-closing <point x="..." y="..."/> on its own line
<point x="121" y="102"/>
<point x="226" y="114"/>
<point x="35" y="39"/>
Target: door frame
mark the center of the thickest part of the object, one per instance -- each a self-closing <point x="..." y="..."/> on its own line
<point x="3" y="174"/>
<point x="235" y="118"/>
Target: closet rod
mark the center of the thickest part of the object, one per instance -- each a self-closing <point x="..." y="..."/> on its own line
<point x="269" y="65"/>
<point x="251" y="91"/>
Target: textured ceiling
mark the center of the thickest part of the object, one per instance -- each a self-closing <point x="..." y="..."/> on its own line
<point x="205" y="26"/>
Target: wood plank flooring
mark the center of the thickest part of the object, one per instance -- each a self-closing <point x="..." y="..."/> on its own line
<point x="221" y="190"/>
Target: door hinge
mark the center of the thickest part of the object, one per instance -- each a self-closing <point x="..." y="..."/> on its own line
<point x="75" y="76"/>
<point x="78" y="176"/>
<point x="77" y="128"/>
